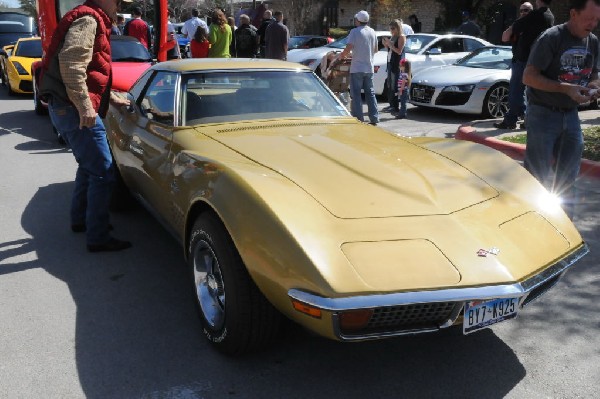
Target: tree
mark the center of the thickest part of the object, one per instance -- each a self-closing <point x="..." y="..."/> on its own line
<point x="388" y="10"/>
<point x="29" y="7"/>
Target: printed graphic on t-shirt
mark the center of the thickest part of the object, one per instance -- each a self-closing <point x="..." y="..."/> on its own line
<point x="576" y="66"/>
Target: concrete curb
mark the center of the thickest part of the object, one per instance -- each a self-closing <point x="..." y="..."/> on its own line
<point x="517" y="151"/>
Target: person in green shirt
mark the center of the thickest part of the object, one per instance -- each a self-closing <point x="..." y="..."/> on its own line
<point x="219" y="36"/>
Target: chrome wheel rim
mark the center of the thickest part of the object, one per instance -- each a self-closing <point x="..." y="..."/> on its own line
<point x="210" y="290"/>
<point x="498" y="102"/>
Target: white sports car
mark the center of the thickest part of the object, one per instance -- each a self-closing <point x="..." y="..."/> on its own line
<point x="312" y="57"/>
<point x="477" y="84"/>
<point x="425" y="50"/>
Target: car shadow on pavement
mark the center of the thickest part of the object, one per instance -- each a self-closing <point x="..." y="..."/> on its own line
<point x="43" y="134"/>
<point x="137" y="334"/>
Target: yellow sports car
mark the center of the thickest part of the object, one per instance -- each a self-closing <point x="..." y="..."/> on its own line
<point x="286" y="205"/>
<point x="16" y="64"/>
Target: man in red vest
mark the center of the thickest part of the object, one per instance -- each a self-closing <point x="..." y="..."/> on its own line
<point x="76" y="80"/>
<point x="138" y="28"/>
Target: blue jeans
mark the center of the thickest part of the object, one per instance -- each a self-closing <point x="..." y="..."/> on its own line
<point x="95" y="172"/>
<point x="403" y="101"/>
<point x="554" y="136"/>
<point x="364" y="81"/>
<point x="516" y="91"/>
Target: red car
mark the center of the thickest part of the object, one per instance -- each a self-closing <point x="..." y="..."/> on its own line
<point x="130" y="58"/>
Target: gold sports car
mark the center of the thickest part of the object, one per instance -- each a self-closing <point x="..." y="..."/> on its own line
<point x="16" y="64"/>
<point x="286" y="205"/>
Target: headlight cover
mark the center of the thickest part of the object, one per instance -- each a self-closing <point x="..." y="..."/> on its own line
<point x="459" y="88"/>
<point x="19" y="68"/>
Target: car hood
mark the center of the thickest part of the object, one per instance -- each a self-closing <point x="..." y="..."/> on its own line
<point x="24" y="61"/>
<point x="299" y="55"/>
<point x="454" y="74"/>
<point x="355" y="170"/>
<point x="126" y="73"/>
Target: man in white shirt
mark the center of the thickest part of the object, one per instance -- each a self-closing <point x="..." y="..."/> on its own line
<point x="407" y="29"/>
<point x="189" y="27"/>
<point x="362" y="42"/>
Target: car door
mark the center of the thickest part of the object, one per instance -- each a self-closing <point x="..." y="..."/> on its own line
<point x="146" y="131"/>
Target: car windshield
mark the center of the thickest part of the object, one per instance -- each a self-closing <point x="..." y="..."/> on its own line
<point x="488" y="58"/>
<point x="296" y="42"/>
<point x="249" y="95"/>
<point x="12" y="22"/>
<point x="129" y="51"/>
<point x="340" y="43"/>
<point x="29" y="49"/>
<point x="415" y="43"/>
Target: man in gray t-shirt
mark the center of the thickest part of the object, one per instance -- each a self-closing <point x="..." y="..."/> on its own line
<point x="362" y="41"/>
<point x="561" y="73"/>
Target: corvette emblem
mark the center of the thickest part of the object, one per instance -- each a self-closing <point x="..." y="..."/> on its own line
<point x="485" y="252"/>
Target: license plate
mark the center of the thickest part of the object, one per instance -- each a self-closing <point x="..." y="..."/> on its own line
<point x="419" y="93"/>
<point x="481" y="314"/>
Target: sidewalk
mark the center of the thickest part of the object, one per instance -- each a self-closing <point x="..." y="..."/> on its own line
<point x="484" y="132"/>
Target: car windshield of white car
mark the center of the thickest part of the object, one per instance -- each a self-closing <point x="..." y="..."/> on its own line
<point x="29" y="49"/>
<point x="250" y="95"/>
<point x="414" y="43"/>
<point x="340" y="43"/>
<point x="488" y="58"/>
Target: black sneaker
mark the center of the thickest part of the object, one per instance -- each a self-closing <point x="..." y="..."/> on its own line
<point x="112" y="245"/>
<point x="504" y="125"/>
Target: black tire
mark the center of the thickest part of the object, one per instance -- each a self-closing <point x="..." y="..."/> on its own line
<point x="11" y="92"/>
<point x="495" y="104"/>
<point x="244" y="322"/>
<point x="37" y="103"/>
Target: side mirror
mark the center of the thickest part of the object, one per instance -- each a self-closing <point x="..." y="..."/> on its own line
<point x="434" y="51"/>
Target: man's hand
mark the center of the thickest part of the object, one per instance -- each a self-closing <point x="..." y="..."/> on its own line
<point x="579" y="94"/>
<point x="118" y="101"/>
<point x="87" y="118"/>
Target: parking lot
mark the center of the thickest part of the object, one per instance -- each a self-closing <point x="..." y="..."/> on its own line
<point x="121" y="325"/>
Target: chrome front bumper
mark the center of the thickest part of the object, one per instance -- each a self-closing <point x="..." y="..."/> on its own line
<point x="527" y="291"/>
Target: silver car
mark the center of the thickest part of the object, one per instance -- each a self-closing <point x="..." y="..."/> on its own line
<point x="476" y="84"/>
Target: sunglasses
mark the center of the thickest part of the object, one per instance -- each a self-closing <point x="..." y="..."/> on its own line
<point x="524" y="10"/>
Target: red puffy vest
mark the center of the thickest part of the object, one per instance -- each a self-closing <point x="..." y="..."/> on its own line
<point x="99" y="69"/>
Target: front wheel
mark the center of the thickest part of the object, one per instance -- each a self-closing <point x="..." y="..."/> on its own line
<point x="37" y="103"/>
<point x="495" y="104"/>
<point x="235" y="316"/>
<point x="11" y="92"/>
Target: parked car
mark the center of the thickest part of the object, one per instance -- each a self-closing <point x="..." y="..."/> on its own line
<point x="129" y="59"/>
<point x="425" y="50"/>
<point x="308" y="41"/>
<point x="286" y="205"/>
<point x="476" y="84"/>
<point x="182" y="40"/>
<point x="13" y="26"/>
<point x="16" y="63"/>
<point x="312" y="57"/>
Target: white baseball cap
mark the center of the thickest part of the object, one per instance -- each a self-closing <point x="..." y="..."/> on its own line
<point x="362" y="16"/>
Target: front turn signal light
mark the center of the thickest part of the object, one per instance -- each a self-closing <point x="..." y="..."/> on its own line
<point x="306" y="309"/>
